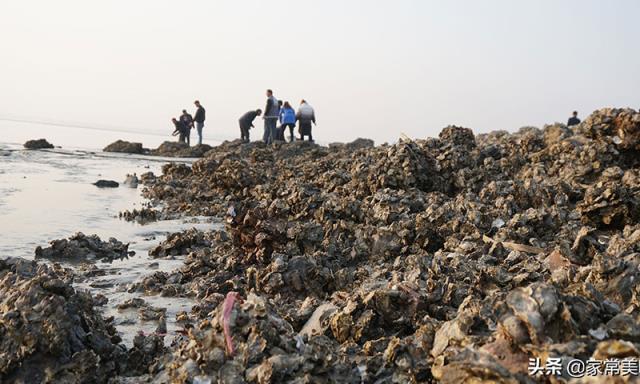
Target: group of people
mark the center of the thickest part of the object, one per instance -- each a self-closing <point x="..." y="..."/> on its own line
<point x="276" y="111"/>
<point x="186" y="122"/>
<point x="278" y="116"/>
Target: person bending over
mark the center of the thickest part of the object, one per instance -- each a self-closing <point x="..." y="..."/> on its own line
<point x="246" y="123"/>
<point x="180" y="130"/>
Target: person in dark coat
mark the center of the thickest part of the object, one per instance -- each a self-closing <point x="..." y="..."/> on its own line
<point x="180" y="130"/>
<point x="280" y="129"/>
<point x="573" y="120"/>
<point x="271" y="114"/>
<point x="305" y="116"/>
<point x="187" y="121"/>
<point x="246" y="123"/>
<point x="199" y="119"/>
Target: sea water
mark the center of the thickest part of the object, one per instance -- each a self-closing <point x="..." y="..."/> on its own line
<point x="48" y="194"/>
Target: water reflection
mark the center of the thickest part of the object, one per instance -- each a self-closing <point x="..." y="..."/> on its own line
<point x="46" y="195"/>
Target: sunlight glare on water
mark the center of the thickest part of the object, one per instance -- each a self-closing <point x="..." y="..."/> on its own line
<point x="48" y="194"/>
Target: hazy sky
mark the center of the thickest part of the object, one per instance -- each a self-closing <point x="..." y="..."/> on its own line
<point x="370" y="68"/>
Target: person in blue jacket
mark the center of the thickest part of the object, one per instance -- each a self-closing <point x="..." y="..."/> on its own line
<point x="288" y="119"/>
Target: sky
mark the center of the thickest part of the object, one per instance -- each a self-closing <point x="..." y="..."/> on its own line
<point x="374" y="69"/>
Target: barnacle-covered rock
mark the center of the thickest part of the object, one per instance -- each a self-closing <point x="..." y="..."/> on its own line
<point x="454" y="258"/>
<point x="180" y="243"/>
<point x="125" y="147"/>
<point x="245" y="338"/>
<point x="83" y="248"/>
<point x="178" y="149"/>
<point x="50" y="332"/>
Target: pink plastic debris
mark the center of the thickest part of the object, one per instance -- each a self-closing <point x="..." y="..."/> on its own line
<point x="226" y="315"/>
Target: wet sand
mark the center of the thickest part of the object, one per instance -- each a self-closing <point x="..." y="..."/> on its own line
<point x="47" y="195"/>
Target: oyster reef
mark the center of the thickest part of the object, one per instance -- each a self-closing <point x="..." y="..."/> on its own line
<point x="452" y="259"/>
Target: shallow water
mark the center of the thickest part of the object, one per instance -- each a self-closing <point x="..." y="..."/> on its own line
<point x="77" y="137"/>
<point x="46" y="195"/>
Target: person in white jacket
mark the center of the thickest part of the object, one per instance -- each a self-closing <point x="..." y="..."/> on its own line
<point x="306" y="116"/>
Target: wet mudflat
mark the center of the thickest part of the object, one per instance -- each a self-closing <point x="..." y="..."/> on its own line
<point x="49" y="195"/>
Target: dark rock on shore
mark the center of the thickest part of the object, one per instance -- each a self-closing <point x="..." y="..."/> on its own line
<point x="38" y="144"/>
<point x="141" y="216"/>
<point x="146" y="351"/>
<point x="177" y="149"/>
<point x="148" y="178"/>
<point x="80" y="247"/>
<point x="356" y="144"/>
<point x="166" y="149"/>
<point x="106" y="184"/>
<point x="122" y="146"/>
<point x="181" y="243"/>
<point x="49" y="332"/>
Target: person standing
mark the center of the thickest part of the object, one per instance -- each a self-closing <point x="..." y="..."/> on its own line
<point x="187" y="121"/>
<point x="271" y="114"/>
<point x="306" y="116"/>
<point x="573" y="120"/>
<point x="280" y="129"/>
<point x="199" y="119"/>
<point x="246" y="123"/>
<point x="288" y="119"/>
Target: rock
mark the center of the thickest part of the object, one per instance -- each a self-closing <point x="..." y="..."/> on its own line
<point x="148" y="178"/>
<point x="50" y="331"/>
<point x="122" y="146"/>
<point x="359" y="143"/>
<point x="141" y="216"/>
<point x="106" y="184"/>
<point x="166" y="149"/>
<point x="314" y="326"/>
<point x="180" y="243"/>
<point x="146" y="351"/>
<point x="135" y="302"/>
<point x="149" y="313"/>
<point x="170" y="148"/>
<point x="82" y="248"/>
<point x="472" y="366"/>
<point x="38" y="144"/>
<point x="266" y="342"/>
<point x="177" y="149"/>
